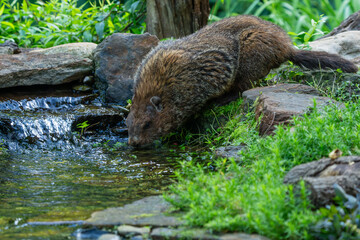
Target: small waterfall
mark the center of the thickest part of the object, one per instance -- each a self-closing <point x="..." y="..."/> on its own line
<point x="51" y="122"/>
<point x="52" y="103"/>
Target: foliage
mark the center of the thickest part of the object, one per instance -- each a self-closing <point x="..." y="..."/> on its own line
<point x="251" y="197"/>
<point x="51" y="23"/>
<point x="342" y="222"/>
<point x="295" y="16"/>
<point x="335" y="84"/>
<point x="83" y="126"/>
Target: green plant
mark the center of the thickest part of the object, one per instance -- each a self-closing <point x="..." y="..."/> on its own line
<point x="51" y="23"/>
<point x="83" y="127"/>
<point x="340" y="222"/>
<point x="251" y="196"/>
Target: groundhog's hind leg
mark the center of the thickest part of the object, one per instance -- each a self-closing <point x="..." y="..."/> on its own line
<point x="261" y="49"/>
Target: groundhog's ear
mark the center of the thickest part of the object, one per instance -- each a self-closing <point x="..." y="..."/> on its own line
<point x="156" y="101"/>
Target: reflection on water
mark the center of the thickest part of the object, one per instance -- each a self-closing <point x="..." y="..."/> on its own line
<point x="41" y="186"/>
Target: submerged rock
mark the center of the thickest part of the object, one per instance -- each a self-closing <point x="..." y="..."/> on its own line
<point x="150" y="211"/>
<point x="116" y="60"/>
<point x="52" y="66"/>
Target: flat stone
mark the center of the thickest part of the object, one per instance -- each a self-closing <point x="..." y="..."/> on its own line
<point x="181" y="233"/>
<point x="276" y="108"/>
<point x="126" y="230"/>
<point x="51" y="66"/>
<point x="229" y="151"/>
<point x="116" y="61"/>
<point x="109" y="237"/>
<point x="242" y="236"/>
<point x="150" y="211"/>
<point x="251" y="95"/>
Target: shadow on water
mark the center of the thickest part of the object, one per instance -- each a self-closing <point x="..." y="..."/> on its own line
<point x="53" y="174"/>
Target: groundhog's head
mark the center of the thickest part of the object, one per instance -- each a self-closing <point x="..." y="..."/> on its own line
<point x="157" y="103"/>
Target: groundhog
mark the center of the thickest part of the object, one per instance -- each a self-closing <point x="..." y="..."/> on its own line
<point x="177" y="78"/>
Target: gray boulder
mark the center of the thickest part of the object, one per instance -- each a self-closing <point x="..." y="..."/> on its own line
<point x="116" y="60"/>
<point x="52" y="66"/>
<point x="346" y="44"/>
<point x="320" y="177"/>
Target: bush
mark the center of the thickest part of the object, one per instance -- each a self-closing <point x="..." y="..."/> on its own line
<point x="54" y="22"/>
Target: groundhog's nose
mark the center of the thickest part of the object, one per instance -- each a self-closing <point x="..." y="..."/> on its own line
<point x="133" y="141"/>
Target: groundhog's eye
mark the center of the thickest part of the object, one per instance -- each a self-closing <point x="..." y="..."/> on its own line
<point x="147" y="125"/>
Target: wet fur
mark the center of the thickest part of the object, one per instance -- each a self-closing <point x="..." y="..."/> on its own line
<point x="223" y="57"/>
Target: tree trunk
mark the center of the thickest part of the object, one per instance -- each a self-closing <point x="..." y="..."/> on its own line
<point x="352" y="23"/>
<point x="176" y="18"/>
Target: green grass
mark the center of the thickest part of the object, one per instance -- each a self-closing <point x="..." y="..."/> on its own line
<point x="53" y="22"/>
<point x="250" y="196"/>
<point x="295" y="16"/>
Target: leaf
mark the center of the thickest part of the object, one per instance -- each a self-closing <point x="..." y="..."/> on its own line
<point x="8" y="24"/>
<point x="2" y="9"/>
<point x="87" y="36"/>
<point x="99" y="27"/>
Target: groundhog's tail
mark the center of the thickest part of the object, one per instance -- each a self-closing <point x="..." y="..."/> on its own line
<point x="323" y="60"/>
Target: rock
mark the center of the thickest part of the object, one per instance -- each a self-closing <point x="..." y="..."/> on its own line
<point x="52" y="66"/>
<point x="333" y="83"/>
<point x="199" y="234"/>
<point x="89" y="80"/>
<point x="126" y="230"/>
<point x="242" y="236"/>
<point x="320" y="177"/>
<point x="251" y="95"/>
<point x="276" y="108"/>
<point x="138" y="237"/>
<point x="82" y="88"/>
<point x="350" y="24"/>
<point x="109" y="237"/>
<point x="116" y="61"/>
<point x="182" y="233"/>
<point x="346" y="44"/>
<point x="150" y="211"/>
<point x="229" y="151"/>
<point x="9" y="47"/>
<point x="92" y="233"/>
<point x="98" y="117"/>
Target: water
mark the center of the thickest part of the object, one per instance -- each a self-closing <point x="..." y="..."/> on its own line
<point x="55" y="172"/>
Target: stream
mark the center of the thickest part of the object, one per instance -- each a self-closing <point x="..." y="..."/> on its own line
<point x="58" y="171"/>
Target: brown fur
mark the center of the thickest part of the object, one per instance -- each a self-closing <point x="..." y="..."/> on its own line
<point x="187" y="73"/>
